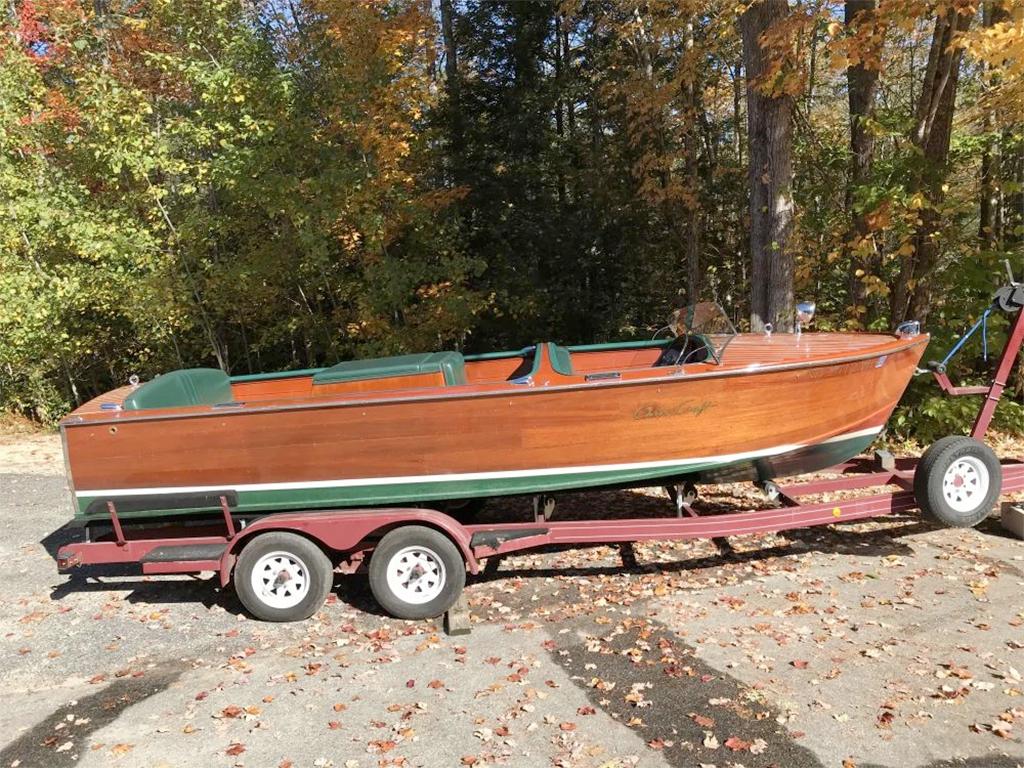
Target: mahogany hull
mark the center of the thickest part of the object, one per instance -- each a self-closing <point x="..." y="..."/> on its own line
<point x="749" y="423"/>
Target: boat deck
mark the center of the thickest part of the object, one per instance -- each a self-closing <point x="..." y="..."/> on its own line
<point x="542" y="366"/>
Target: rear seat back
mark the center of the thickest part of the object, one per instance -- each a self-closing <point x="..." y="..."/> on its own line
<point x="177" y="389"/>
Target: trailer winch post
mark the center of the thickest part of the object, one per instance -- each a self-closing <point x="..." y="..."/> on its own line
<point x="999" y="380"/>
<point x="116" y="522"/>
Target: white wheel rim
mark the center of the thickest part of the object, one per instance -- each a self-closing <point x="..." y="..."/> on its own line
<point x="416" y="575"/>
<point x="965" y="484"/>
<point x="280" y="579"/>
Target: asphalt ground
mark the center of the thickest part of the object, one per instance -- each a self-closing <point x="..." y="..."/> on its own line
<point x="888" y="643"/>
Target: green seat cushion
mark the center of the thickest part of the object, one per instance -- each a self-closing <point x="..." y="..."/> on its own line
<point x="450" y="364"/>
<point x="191" y="386"/>
<point x="561" y="359"/>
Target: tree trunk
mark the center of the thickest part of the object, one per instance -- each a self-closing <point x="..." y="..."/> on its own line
<point x="862" y="84"/>
<point x="737" y="122"/>
<point x="560" y="107"/>
<point x="812" y="68"/>
<point x="451" y="60"/>
<point x="567" y="63"/>
<point x="770" y="147"/>
<point x="931" y="134"/>
<point x="691" y="147"/>
<point x="986" y="191"/>
<point x="1013" y="204"/>
<point x="992" y="12"/>
<point x="453" y="90"/>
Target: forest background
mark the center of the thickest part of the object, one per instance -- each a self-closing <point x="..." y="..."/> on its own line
<point x="278" y="184"/>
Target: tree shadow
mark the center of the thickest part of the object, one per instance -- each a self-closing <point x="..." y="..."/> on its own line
<point x="70" y="725"/>
<point x="986" y="761"/>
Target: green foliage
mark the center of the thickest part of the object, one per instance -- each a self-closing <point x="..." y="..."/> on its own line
<point x="240" y="185"/>
<point x="173" y="192"/>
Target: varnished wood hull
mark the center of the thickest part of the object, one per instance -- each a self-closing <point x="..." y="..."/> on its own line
<point x="714" y="426"/>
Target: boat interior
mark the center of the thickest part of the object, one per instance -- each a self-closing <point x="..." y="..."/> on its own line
<point x="544" y="364"/>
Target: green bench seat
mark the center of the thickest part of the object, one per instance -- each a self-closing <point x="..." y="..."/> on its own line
<point x="177" y="389"/>
<point x="450" y="364"/>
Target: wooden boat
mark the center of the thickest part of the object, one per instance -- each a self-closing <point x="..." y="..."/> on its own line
<point x="440" y="426"/>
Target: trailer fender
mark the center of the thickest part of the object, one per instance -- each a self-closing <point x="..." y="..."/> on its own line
<point x="343" y="530"/>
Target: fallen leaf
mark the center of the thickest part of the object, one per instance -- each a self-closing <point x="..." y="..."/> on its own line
<point x="702" y="721"/>
<point x="737" y="744"/>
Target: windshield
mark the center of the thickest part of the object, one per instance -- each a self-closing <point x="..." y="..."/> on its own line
<point x="708" y="320"/>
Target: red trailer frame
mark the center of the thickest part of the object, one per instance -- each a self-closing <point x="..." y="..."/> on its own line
<point x="350" y="535"/>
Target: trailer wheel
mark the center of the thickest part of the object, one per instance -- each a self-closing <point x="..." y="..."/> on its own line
<point x="282" y="577"/>
<point x="416" y="572"/>
<point x="958" y="481"/>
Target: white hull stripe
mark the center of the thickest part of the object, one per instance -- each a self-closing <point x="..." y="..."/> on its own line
<point x="471" y="476"/>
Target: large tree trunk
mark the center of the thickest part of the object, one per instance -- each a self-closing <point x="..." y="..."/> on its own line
<point x="770" y="146"/>
<point x="862" y="84"/>
<point x="911" y="297"/>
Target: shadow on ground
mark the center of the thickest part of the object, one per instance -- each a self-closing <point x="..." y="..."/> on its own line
<point x="655" y="683"/>
<point x="59" y="739"/>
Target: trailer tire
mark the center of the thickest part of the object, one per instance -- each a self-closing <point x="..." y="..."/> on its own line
<point x="282" y="576"/>
<point x="958" y="481"/>
<point x="416" y="572"/>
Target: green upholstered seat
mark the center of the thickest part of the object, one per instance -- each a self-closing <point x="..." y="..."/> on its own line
<point x="191" y="386"/>
<point x="561" y="359"/>
<point x="450" y="364"/>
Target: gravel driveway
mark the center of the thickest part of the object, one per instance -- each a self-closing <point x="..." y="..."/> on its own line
<point x="880" y="644"/>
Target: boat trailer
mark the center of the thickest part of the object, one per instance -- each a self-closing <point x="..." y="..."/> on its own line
<point x="282" y="564"/>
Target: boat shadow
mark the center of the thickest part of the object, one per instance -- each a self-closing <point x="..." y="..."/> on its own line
<point x="128" y="578"/>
